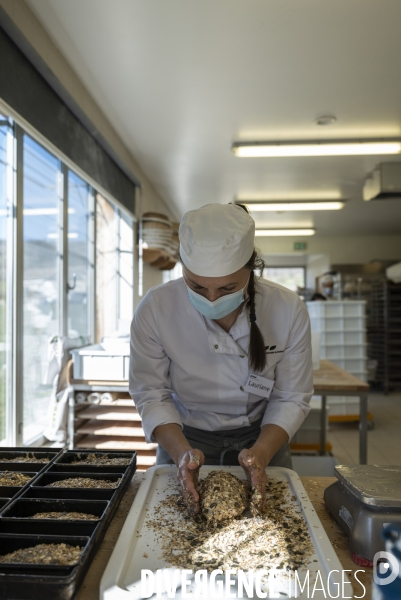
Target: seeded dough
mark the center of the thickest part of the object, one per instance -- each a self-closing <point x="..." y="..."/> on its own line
<point x="277" y="538"/>
<point x="84" y="482"/>
<point x="25" y="459"/>
<point x="61" y="516"/>
<point x="10" y="478"/>
<point x="222" y="496"/>
<point x="45" y="554"/>
<point x="96" y="459"/>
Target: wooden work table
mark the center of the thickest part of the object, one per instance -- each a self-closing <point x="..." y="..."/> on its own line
<point x="314" y="486"/>
<point x="331" y="380"/>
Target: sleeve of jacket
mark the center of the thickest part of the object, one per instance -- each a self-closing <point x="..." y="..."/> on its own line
<point x="149" y="379"/>
<point x="289" y="401"/>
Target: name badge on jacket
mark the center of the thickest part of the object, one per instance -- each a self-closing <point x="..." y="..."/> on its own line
<point x="260" y="386"/>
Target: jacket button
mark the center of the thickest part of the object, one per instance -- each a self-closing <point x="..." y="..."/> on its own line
<point x="241" y="356"/>
<point x="216" y="346"/>
<point x="242" y="388"/>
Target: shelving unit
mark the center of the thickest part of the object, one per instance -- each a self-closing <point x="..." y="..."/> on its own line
<point x="107" y="425"/>
<point x="342" y="327"/>
<point x="384" y="333"/>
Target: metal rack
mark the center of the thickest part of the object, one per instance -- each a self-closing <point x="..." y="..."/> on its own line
<point x="384" y="333"/>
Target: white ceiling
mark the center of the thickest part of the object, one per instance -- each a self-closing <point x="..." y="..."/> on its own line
<point x="181" y="81"/>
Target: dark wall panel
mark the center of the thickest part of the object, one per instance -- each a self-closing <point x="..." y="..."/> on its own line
<point x="31" y="96"/>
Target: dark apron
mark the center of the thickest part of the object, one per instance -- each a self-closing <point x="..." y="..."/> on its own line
<point x="223" y="447"/>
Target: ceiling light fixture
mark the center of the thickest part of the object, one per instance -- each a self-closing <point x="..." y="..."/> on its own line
<point x="281" y="206"/>
<point x="290" y="196"/>
<point x="317" y="148"/>
<point x="283" y="232"/>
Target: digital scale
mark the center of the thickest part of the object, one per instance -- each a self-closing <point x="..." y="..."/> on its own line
<point x="364" y="500"/>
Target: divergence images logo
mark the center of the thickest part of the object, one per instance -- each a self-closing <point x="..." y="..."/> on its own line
<point x="382" y="562"/>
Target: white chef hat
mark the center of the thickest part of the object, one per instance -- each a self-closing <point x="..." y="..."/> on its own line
<point x="216" y="240"/>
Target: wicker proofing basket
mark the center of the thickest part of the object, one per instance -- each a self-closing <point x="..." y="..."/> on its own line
<point x="161" y="239"/>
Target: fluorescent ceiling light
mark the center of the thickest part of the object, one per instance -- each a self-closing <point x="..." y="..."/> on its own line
<point x="292" y="206"/>
<point x="283" y="232"/>
<point x="289" y="196"/>
<point x="323" y="148"/>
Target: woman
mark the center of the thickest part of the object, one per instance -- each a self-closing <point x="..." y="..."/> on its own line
<point x="221" y="368"/>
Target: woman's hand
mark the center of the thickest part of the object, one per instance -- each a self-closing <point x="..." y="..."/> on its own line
<point x="253" y="462"/>
<point x="189" y="465"/>
<point x="187" y="459"/>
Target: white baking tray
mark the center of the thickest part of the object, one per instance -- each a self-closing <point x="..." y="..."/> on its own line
<point x="137" y="547"/>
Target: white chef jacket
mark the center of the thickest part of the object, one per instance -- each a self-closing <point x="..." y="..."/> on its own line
<point x="184" y="368"/>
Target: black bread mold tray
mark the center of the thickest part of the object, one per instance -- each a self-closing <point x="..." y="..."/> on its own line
<point x="32" y="469"/>
<point x="9" y="459"/>
<point x="64" y="461"/>
<point x="40" y="489"/>
<point x="13" y="490"/>
<point x="36" y="582"/>
<point x="18" y="517"/>
<point x="66" y="468"/>
<point x="19" y="582"/>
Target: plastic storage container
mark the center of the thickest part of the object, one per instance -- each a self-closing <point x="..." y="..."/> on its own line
<point x="96" y="363"/>
<point x="342" y="327"/>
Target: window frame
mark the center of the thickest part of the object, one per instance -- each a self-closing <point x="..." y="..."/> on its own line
<point x="14" y="280"/>
<point x="267" y="266"/>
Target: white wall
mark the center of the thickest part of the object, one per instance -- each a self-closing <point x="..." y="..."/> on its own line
<point x="317" y="265"/>
<point x="340" y="249"/>
<point x="321" y="252"/>
<point x="285" y="260"/>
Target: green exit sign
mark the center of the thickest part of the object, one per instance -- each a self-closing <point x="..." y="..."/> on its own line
<point x="299" y="245"/>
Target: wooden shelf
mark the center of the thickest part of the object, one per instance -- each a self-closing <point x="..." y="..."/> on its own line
<point x="106" y="412"/>
<point x="120" y="402"/>
<point x="111" y="428"/>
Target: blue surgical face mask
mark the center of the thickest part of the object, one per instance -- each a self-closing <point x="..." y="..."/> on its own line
<point x="219" y="308"/>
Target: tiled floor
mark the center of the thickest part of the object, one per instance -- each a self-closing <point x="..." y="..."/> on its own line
<point x="384" y="440"/>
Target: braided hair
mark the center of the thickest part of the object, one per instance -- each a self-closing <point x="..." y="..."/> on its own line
<point x="257" y="351"/>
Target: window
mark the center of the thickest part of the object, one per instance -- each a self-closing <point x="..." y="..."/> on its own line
<point x="80" y="261"/>
<point x="125" y="281"/>
<point x="48" y="272"/>
<point x="174" y="273"/>
<point x="41" y="256"/>
<point x="106" y="268"/>
<point x="6" y="199"/>
<point x="114" y="270"/>
<point x="292" y="278"/>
